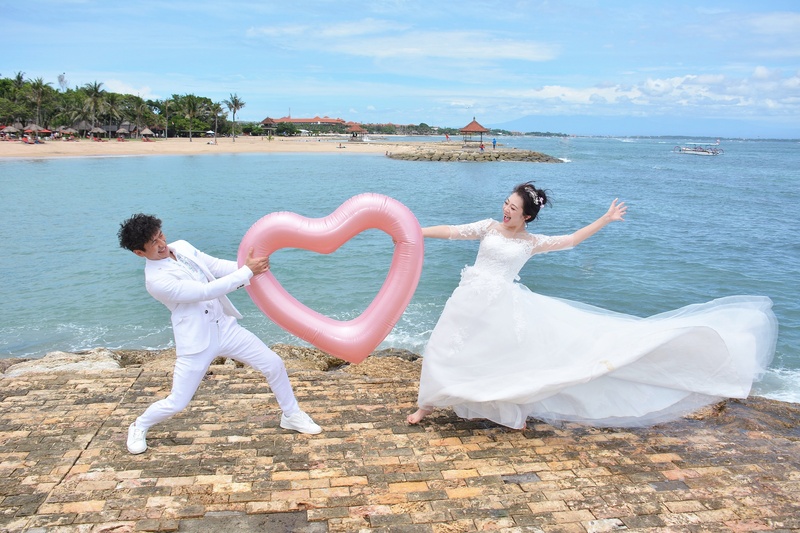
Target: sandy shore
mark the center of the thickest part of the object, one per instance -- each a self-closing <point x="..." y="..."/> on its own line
<point x="181" y="146"/>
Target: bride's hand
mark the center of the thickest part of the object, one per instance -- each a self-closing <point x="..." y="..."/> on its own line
<point x="617" y="211"/>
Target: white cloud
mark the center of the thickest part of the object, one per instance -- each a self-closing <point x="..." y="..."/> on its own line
<point x="277" y="31"/>
<point x="470" y="46"/>
<point x="117" y="86"/>
<point x="463" y="104"/>
<point x="658" y="88"/>
<point x="775" y="23"/>
<point x="764" y="92"/>
<point x="763" y="73"/>
<point x="385" y="39"/>
<point x="359" y="28"/>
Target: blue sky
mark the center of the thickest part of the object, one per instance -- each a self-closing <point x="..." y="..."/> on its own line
<point x="715" y="68"/>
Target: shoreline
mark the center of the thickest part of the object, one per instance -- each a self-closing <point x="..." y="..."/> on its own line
<point x="200" y="146"/>
<point x="379" y="364"/>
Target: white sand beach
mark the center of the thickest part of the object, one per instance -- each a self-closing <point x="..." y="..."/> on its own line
<point x="198" y="145"/>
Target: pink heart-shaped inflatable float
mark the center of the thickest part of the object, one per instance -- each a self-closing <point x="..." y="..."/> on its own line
<point x="351" y="340"/>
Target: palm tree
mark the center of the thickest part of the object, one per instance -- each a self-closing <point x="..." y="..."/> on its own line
<point x="19" y="80"/>
<point x="166" y="118"/>
<point x="234" y="105"/>
<point x="38" y="90"/>
<point x="191" y="108"/>
<point x="113" y="109"/>
<point x="18" y="90"/>
<point x="70" y="109"/>
<point x="141" y="111"/>
<point x="216" y="109"/>
<point x="95" y="100"/>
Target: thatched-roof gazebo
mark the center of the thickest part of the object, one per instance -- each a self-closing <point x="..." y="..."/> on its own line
<point x="269" y="125"/>
<point x="356" y="133"/>
<point x="472" y="128"/>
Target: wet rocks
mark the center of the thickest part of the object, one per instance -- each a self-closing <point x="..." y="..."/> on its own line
<point x="96" y="360"/>
<point x="453" y="154"/>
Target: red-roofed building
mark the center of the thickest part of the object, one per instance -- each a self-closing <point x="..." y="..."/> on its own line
<point x="318" y="121"/>
<point x="317" y="124"/>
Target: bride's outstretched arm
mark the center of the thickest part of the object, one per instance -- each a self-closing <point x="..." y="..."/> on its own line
<point x="436" y="232"/>
<point x="473" y="230"/>
<point x="616" y="212"/>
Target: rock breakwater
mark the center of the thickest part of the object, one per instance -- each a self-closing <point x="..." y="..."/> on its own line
<point x="468" y="154"/>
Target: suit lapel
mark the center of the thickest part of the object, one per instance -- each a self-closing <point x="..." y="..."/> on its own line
<point x="227" y="305"/>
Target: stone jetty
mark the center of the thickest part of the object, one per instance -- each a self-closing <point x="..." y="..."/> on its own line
<point x="224" y="464"/>
<point x="461" y="153"/>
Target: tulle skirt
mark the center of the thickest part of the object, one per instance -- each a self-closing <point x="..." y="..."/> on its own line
<point x="507" y="353"/>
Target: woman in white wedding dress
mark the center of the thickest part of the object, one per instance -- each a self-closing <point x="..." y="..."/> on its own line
<point x="504" y="353"/>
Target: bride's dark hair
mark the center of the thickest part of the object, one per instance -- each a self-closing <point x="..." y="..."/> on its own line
<point x="533" y="199"/>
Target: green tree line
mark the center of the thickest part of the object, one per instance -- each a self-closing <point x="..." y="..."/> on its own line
<point x="27" y="101"/>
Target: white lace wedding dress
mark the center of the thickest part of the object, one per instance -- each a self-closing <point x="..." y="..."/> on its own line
<point x="504" y="353"/>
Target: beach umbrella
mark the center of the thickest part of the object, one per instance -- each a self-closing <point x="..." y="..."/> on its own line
<point x="45" y="130"/>
<point x="122" y="131"/>
<point x="10" y="129"/>
<point x="69" y="130"/>
<point x="147" y="131"/>
<point x="32" y="128"/>
<point x="97" y="129"/>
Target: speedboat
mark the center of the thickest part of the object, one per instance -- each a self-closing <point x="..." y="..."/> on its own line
<point x="699" y="149"/>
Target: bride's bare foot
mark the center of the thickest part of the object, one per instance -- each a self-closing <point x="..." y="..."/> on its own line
<point x="418" y="415"/>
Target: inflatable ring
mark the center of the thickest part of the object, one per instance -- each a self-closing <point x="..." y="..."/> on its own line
<point x="351" y="340"/>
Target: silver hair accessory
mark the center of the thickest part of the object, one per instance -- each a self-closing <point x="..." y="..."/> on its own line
<point x="534" y="195"/>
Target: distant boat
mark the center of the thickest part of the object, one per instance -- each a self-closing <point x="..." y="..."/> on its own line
<point x="699" y="149"/>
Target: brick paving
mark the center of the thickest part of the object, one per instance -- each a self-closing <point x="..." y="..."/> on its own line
<point x="224" y="464"/>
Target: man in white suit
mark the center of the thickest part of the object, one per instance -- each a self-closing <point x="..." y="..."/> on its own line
<point x="193" y="286"/>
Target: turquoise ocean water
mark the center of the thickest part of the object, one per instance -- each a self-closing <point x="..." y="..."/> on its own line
<point x="698" y="228"/>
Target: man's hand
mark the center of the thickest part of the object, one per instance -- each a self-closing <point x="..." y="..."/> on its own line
<point x="258" y="265"/>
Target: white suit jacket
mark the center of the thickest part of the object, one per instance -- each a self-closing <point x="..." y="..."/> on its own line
<point x="191" y="301"/>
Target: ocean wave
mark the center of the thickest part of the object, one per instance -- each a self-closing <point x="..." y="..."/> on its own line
<point x="780" y="384"/>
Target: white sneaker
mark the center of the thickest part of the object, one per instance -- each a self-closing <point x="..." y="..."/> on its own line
<point x="137" y="442"/>
<point x="300" y="422"/>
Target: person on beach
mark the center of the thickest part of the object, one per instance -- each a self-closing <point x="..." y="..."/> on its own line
<point x="504" y="353"/>
<point x="193" y="286"/>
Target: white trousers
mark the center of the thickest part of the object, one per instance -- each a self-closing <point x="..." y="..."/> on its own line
<point x="228" y="339"/>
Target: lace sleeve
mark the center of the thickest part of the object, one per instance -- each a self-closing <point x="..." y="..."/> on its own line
<point x="475" y="230"/>
<point x="544" y="243"/>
